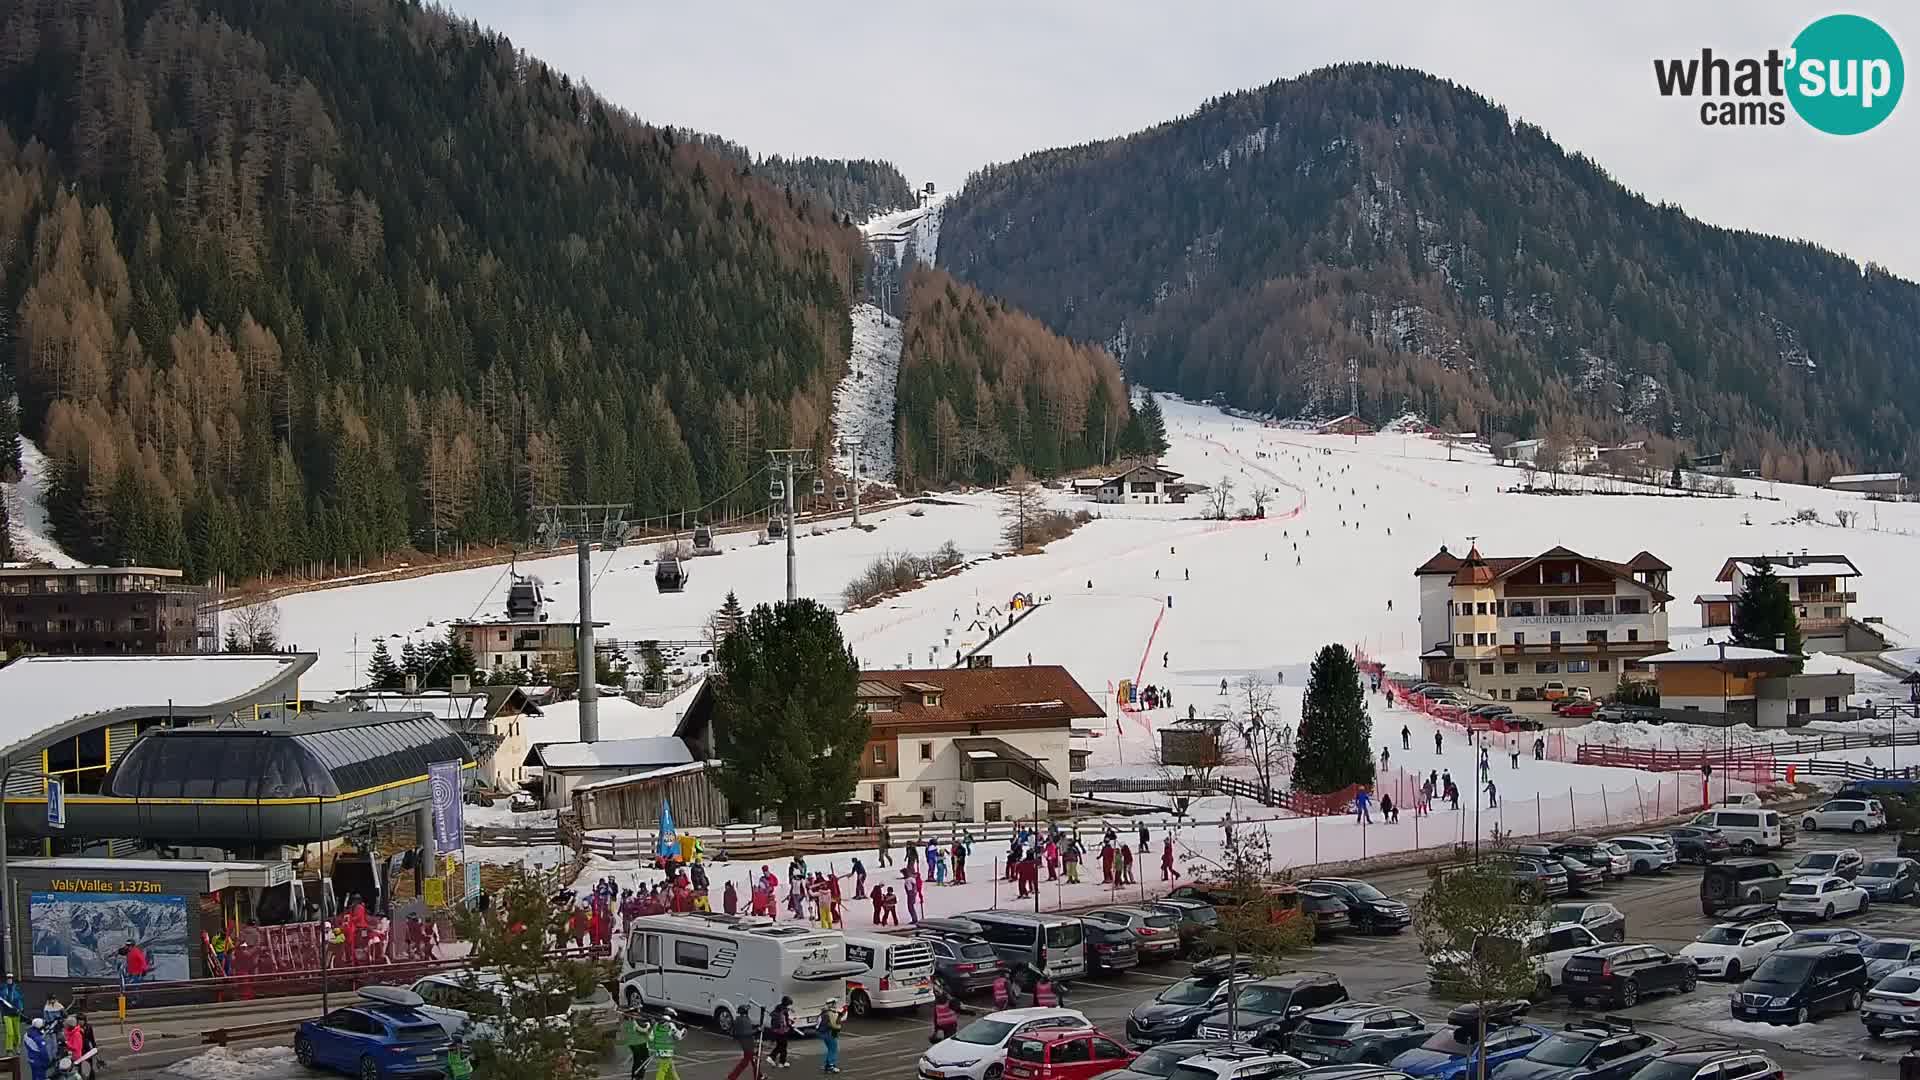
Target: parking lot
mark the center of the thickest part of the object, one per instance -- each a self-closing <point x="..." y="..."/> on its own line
<point x="1663" y="909"/>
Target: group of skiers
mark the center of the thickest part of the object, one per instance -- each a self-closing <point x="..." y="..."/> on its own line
<point x="653" y="1040"/>
<point x="57" y="1045"/>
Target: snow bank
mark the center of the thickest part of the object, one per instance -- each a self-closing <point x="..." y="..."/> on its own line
<point x="863" y="403"/>
<point x="27" y="511"/>
<point x="498" y="815"/>
<point x="223" y="1063"/>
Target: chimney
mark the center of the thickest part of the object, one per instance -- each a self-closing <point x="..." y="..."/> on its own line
<point x="462" y="683"/>
<point x="413" y="683"/>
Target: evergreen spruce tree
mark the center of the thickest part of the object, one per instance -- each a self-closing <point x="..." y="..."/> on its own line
<point x="413" y="662"/>
<point x="456" y="658"/>
<point x="1153" y="426"/>
<point x="786" y="725"/>
<point x="1763" y="616"/>
<point x="382" y="672"/>
<point x="1335" y="744"/>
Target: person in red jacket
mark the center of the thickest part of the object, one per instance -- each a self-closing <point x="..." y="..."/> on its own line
<point x="1167" y="872"/>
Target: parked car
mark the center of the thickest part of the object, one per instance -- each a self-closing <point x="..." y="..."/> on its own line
<point x="1351" y="1072"/>
<point x="1728" y="951"/>
<point x="1649" y="854"/>
<point x="1608" y="923"/>
<point x="1368" y="908"/>
<point x="1156" y="933"/>
<point x="1582" y="877"/>
<point x="1488" y="712"/>
<point x="1450" y="1053"/>
<point x="1357" y="1033"/>
<point x="1538" y="878"/>
<point x="1841" y="862"/>
<point x="1696" y="845"/>
<point x="1855" y="815"/>
<point x="1549" y="948"/>
<point x="1752" y="831"/>
<point x="1197" y="921"/>
<point x="384" y="1035"/>
<point x="1611" y="860"/>
<point x="1176" y="1012"/>
<point x="1821" y="897"/>
<point x="1586" y="1050"/>
<point x="1621" y="973"/>
<point x="1745" y="798"/>
<point x="964" y="963"/>
<point x="1889" y="954"/>
<point x="462" y="1000"/>
<point x="1893" y="1004"/>
<point x="1553" y="691"/>
<point x="1891" y="881"/>
<point x="1265" y="1012"/>
<point x="1157" y="1062"/>
<point x="1110" y="946"/>
<point x="1240" y="1063"/>
<point x="1064" y="1054"/>
<point x="1578" y="707"/>
<point x="1831" y="935"/>
<point x="1798" y="983"/>
<point x="1526" y="693"/>
<point x="1328" y="912"/>
<point x="1714" y="1061"/>
<point x="979" y="1050"/>
<point x="1737" y="882"/>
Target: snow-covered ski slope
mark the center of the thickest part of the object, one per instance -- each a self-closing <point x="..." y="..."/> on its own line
<point x="914" y="232"/>
<point x="863" y="402"/>
<point x="1247" y="606"/>
<point x="27" y="511"/>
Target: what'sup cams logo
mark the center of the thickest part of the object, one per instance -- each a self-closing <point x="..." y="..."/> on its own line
<point x="1842" y="75"/>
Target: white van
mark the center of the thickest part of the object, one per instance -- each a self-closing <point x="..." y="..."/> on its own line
<point x="708" y="965"/>
<point x="898" y="973"/>
<point x="1749" y="830"/>
<point x="1053" y="943"/>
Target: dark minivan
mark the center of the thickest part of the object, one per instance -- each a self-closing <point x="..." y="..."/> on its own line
<point x="1800" y="982"/>
<point x="1732" y="882"/>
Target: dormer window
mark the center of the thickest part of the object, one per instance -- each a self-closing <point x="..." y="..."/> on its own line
<point x="931" y="701"/>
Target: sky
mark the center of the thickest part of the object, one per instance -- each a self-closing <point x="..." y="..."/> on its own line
<point x="942" y="89"/>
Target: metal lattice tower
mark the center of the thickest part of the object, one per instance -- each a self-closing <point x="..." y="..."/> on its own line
<point x="585" y="524"/>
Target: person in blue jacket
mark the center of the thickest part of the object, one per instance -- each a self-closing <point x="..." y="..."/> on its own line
<point x="37" y="1050"/>
<point x="13" y="1011"/>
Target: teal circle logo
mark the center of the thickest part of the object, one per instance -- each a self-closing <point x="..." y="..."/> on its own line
<point x="1846" y="76"/>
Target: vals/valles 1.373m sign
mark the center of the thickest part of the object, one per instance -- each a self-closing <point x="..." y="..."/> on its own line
<point x="1842" y="75"/>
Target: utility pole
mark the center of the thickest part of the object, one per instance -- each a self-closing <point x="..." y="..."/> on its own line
<point x="589" y="673"/>
<point x="853" y="455"/>
<point x="790" y="530"/>
<point x="790" y="461"/>
<point x="1353" y="396"/>
<point x="583" y="523"/>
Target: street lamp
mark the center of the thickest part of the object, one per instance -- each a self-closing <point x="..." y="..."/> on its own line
<point x="1726" y="730"/>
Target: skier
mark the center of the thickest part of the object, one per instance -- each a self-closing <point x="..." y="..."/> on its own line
<point x="1143" y="838"/>
<point x="1406" y="737"/>
<point x="831" y="1020"/>
<point x="1166" y="860"/>
<point x="1513" y="750"/>
<point x="661" y="1037"/>
<point x="1189" y="575"/>
<point x="747" y="1039"/>
<point x="1539" y="749"/>
<point x="1436" y="741"/>
<point x="1493" y="798"/>
<point x="1386" y="756"/>
<point x="1360" y="811"/>
<point x="1163" y="659"/>
<point x="781" y="1028"/>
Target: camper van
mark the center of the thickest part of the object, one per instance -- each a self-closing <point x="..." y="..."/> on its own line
<point x="898" y="975"/>
<point x="1051" y="943"/>
<point x="709" y="965"/>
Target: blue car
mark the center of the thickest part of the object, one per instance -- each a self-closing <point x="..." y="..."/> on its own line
<point x="383" y="1037"/>
<point x="1449" y="1053"/>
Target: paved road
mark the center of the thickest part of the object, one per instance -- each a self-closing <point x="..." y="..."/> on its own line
<point x="1662" y="909"/>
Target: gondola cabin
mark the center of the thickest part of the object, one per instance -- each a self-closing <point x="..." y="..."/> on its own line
<point x="702" y="539"/>
<point x="670" y="574"/>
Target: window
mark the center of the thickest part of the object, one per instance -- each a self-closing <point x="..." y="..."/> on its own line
<point x="1633" y="635"/>
<point x="1594" y="605"/>
<point x="879" y="793"/>
<point x="1597" y="636"/>
<point x="1831" y="704"/>
<point x="1506" y="695"/>
<point x="1500" y="608"/>
<point x="1106" y="1049"/>
<point x="1546" y="667"/>
<point x="1072" y="1050"/>
<point x="1604" y="665"/>
<point x="926" y="796"/>
<point x="1519" y="638"/>
<point x="1480" y="608"/>
<point x="1578" y="667"/>
<point x="1510" y="668"/>
<point x="926" y="751"/>
<point x="1466" y="639"/>
<point x="1559" y="607"/>
<point x="502" y="636"/>
<point x="1553" y="637"/>
<point x="1801" y="706"/>
<point x="1486" y="669"/>
<point x="1629" y="605"/>
<point x="879" y="753"/>
<point x="1831" y="612"/>
<point x="691" y="954"/>
<point x="1483" y="639"/>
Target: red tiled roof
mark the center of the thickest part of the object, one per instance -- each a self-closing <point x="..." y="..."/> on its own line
<point x="1044" y="694"/>
<point x="1647" y="560"/>
<point x="1443" y="562"/>
<point x="1502" y="566"/>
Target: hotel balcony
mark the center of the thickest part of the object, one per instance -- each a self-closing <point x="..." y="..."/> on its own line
<point x="1827" y="598"/>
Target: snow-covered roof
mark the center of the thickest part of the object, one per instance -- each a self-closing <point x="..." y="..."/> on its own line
<point x="44" y="692"/>
<point x="1711" y="654"/>
<point x="1790" y="566"/>
<point x="660" y="773"/>
<point x="1864" y="478"/>
<point x="611" y="754"/>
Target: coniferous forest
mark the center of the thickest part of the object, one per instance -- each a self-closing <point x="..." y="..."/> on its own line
<point x="1473" y="270"/>
<point x="984" y="387"/>
<point x="290" y="286"/>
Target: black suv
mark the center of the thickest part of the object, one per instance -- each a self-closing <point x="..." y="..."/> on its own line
<point x="1176" y="1012"/>
<point x="1587" y="1050"/>
<point x="1622" y="973"/>
<point x="1368" y="908"/>
<point x="1732" y="882"/>
<point x="1712" y="1061"/>
<point x="1264" y="1013"/>
<point x="962" y="961"/>
<point x="1799" y="982"/>
<point x="1357" y="1033"/>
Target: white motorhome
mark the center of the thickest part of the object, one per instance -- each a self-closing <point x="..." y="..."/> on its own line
<point x="898" y="973"/>
<point x="708" y="965"/>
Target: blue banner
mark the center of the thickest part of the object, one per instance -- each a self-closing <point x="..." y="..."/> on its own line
<point x="449" y="831"/>
<point x="669" y="844"/>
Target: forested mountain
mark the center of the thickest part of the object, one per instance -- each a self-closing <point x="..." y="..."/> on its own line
<point x="303" y="283"/>
<point x="984" y="387"/>
<point x="858" y="188"/>
<point x="1474" y="270"/>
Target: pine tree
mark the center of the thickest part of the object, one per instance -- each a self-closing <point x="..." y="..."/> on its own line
<point x="1153" y="426"/>
<point x="785" y="721"/>
<point x="413" y="662"/>
<point x="382" y="672"/>
<point x="1334" y="749"/>
<point x="456" y="658"/>
<point x="526" y="1038"/>
<point x="1763" y="615"/>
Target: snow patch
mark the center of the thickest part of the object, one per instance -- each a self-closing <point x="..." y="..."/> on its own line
<point x="27" y="511"/>
<point x="224" y="1063"/>
<point x="863" y="403"/>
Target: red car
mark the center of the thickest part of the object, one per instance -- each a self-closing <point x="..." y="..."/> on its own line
<point x="1578" y="708"/>
<point x="1065" y="1054"/>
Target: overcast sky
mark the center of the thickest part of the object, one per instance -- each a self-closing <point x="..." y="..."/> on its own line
<point x="942" y="88"/>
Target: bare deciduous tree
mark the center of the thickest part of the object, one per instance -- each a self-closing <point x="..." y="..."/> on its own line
<point x="1268" y="742"/>
<point x="1220" y="499"/>
<point x="1021" y="504"/>
<point x="1260" y="497"/>
<point x="253" y="628"/>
